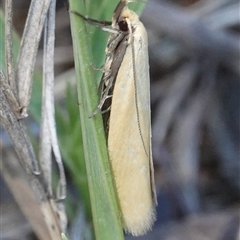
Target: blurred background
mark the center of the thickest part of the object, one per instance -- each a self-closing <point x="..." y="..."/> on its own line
<point x="195" y="94"/>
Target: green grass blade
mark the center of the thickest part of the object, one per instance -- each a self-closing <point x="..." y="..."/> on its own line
<point x="105" y="212"/>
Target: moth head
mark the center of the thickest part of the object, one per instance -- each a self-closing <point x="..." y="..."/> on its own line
<point x="125" y="20"/>
<point x="123" y="17"/>
<point x="122" y="24"/>
<point x="129" y="16"/>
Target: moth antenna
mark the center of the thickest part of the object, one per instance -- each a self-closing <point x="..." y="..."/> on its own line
<point x="97" y="23"/>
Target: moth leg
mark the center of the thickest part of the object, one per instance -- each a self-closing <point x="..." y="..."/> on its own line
<point x="104" y="96"/>
<point x="99" y="107"/>
<point x="108" y="109"/>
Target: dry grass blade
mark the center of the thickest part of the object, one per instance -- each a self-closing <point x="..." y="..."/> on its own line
<point x="11" y="97"/>
<point x="18" y="136"/>
<point x="22" y="187"/>
<point x="37" y="194"/>
<point x="28" y="51"/>
<point x="48" y="140"/>
<point x="26" y="182"/>
<point x="9" y="53"/>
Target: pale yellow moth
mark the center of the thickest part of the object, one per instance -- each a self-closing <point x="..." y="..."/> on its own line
<point x="126" y="77"/>
<point x="125" y="103"/>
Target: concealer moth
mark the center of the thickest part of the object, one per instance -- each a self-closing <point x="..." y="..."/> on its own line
<point x="125" y="105"/>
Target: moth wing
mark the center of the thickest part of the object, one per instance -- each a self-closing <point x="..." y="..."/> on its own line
<point x="129" y="138"/>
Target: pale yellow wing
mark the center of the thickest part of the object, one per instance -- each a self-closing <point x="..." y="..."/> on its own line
<point x="129" y="138"/>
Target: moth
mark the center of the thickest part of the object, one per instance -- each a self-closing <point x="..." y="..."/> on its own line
<point x="125" y="105"/>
